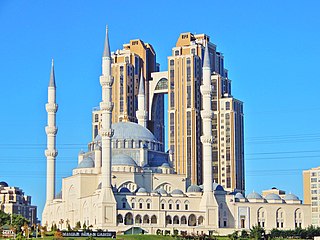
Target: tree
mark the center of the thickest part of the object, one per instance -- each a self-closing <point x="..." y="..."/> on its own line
<point x="78" y="225"/>
<point x="233" y="236"/>
<point x="257" y="232"/>
<point x="84" y="226"/>
<point x="4" y="218"/>
<point x="18" y="221"/>
<point x="244" y="234"/>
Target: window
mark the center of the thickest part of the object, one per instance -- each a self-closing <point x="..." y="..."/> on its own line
<point x="162" y="205"/>
<point x="177" y="53"/>
<point x="170" y="206"/>
<point x="140" y="205"/>
<point x="186" y="207"/>
<point x="132" y="205"/>
<point x="123" y="205"/>
<point x="148" y="205"/>
<point x="177" y="206"/>
<point x="227" y="105"/>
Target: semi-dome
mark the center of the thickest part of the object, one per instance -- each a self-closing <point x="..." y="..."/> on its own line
<point x="142" y="190"/>
<point x="130" y="130"/>
<point x="4" y="184"/>
<point x="124" y="190"/>
<point x="272" y="196"/>
<point x="254" y="195"/>
<point x="165" y="165"/>
<point x="122" y="159"/>
<point x="290" y="196"/>
<point x="161" y="191"/>
<point x="239" y="195"/>
<point x="194" y="188"/>
<point x="86" y="163"/>
<point x="177" y="191"/>
<point x="217" y="187"/>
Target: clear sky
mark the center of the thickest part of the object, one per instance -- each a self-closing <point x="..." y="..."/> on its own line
<point x="271" y="49"/>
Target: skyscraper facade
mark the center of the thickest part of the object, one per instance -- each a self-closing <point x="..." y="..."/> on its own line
<point x="311" y="193"/>
<point x="184" y="106"/>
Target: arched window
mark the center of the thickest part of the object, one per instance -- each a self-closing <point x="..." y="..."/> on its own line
<point x="298" y="218"/>
<point x="261" y="217"/>
<point x="138" y="219"/>
<point x="162" y="84"/>
<point x="186" y="205"/>
<point x="153" y="219"/>
<point x="141" y="203"/>
<point x="168" y="220"/>
<point x="183" y="220"/>
<point x="192" y="220"/>
<point x="162" y="204"/>
<point x="119" y="219"/>
<point x="170" y="204"/>
<point x="145" y="219"/>
<point x="128" y="219"/>
<point x="200" y="220"/>
<point x="175" y="220"/>
<point x="178" y="203"/>
<point x="280" y="218"/>
<point x="96" y="117"/>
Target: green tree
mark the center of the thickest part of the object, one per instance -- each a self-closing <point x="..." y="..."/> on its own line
<point x="257" y="232"/>
<point x="233" y="236"/>
<point x="84" y="226"/>
<point x="18" y="221"/>
<point x="244" y="234"/>
<point x="78" y="225"/>
<point x="4" y="218"/>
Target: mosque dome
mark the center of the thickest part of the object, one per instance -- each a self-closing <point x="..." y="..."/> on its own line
<point x="217" y="187"/>
<point x="86" y="163"/>
<point x="290" y="196"/>
<point x="142" y="190"/>
<point x="130" y="130"/>
<point x="254" y="195"/>
<point x="4" y="184"/>
<point x="272" y="196"/>
<point x="122" y="159"/>
<point x="239" y="195"/>
<point x="161" y="191"/>
<point x="194" y="188"/>
<point x="177" y="191"/>
<point x="124" y="190"/>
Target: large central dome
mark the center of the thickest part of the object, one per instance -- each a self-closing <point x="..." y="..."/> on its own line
<point x="130" y="130"/>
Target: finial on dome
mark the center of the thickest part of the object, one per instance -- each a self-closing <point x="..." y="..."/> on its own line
<point x="52" y="82"/>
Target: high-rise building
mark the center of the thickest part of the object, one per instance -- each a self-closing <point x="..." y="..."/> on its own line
<point x="184" y="105"/>
<point x="135" y="59"/>
<point x="182" y="84"/>
<point x="311" y="193"/>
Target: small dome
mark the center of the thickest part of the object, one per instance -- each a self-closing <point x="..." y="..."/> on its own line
<point x="290" y="196"/>
<point x="177" y="191"/>
<point x="194" y="188"/>
<point x="239" y="195"/>
<point x="4" y="184"/>
<point x="142" y="190"/>
<point x="166" y="165"/>
<point x="217" y="187"/>
<point x="97" y="138"/>
<point x="254" y="195"/>
<point x="161" y="191"/>
<point x="86" y="163"/>
<point x="273" y="196"/>
<point x="130" y="130"/>
<point x="124" y="190"/>
<point x="122" y="159"/>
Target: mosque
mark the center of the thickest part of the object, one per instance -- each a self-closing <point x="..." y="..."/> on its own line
<point x="126" y="181"/>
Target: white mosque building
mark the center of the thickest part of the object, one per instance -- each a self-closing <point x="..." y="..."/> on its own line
<point x="125" y="180"/>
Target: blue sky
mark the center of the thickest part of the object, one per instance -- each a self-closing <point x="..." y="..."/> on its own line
<point x="271" y="49"/>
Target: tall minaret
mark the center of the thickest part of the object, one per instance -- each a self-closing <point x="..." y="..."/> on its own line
<point x="107" y="200"/>
<point x="51" y="131"/>
<point x="208" y="202"/>
<point x="142" y="114"/>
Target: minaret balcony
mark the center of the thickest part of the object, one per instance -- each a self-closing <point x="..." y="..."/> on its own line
<point x="51" y="107"/>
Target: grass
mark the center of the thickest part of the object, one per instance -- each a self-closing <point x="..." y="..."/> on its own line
<point x="143" y="237"/>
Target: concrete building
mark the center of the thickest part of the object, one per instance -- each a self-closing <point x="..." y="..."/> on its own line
<point x="126" y="180"/>
<point x="13" y="201"/>
<point x="311" y="192"/>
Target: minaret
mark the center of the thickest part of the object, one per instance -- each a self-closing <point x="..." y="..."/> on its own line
<point x="107" y="200"/>
<point x="208" y="202"/>
<point x="51" y="131"/>
<point x="142" y="114"/>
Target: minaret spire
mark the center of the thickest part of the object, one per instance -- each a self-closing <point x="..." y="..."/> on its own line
<point x="106" y="199"/>
<point x="208" y="202"/>
<point x="51" y="131"/>
<point x="142" y="114"/>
